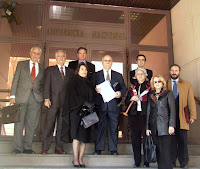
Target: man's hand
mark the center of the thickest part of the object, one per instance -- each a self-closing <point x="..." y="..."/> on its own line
<point x="171" y="130"/>
<point x="118" y="94"/>
<point x="12" y="100"/>
<point x="148" y="132"/>
<point x="191" y="121"/>
<point x="98" y="90"/>
<point x="47" y="103"/>
<point x="134" y="98"/>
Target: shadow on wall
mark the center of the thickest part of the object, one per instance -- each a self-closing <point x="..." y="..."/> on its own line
<point x="194" y="134"/>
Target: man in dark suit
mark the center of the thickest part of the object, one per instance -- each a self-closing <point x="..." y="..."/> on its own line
<point x="140" y="60"/>
<point x="27" y="90"/>
<point x="82" y="54"/>
<point x="108" y="112"/>
<point x="55" y="80"/>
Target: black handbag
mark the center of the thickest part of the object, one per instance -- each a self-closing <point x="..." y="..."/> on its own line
<point x="90" y="119"/>
<point x="10" y="114"/>
<point x="150" y="150"/>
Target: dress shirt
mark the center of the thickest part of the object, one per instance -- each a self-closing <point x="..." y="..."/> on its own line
<point x="36" y="67"/>
<point x="105" y="73"/>
<point x="172" y="82"/>
<point x="60" y="68"/>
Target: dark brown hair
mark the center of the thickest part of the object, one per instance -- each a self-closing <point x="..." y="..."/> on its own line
<point x="78" y="67"/>
<point x="81" y="48"/>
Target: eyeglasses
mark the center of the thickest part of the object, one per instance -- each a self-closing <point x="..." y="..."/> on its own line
<point x="61" y="56"/>
<point x="36" y="53"/>
<point x="107" y="60"/>
<point x="157" y="81"/>
<point x="141" y="60"/>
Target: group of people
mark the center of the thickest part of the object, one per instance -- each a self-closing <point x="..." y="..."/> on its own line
<point x="156" y="107"/>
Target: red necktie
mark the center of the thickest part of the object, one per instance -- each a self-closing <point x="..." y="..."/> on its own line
<point x="33" y="72"/>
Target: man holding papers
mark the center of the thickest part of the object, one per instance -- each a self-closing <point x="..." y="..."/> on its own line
<point x="108" y="108"/>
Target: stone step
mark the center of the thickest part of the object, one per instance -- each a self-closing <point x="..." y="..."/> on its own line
<point x="123" y="149"/>
<point x="65" y="161"/>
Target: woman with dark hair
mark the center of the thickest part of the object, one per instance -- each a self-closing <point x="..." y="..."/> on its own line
<point x="79" y="93"/>
<point x="161" y="120"/>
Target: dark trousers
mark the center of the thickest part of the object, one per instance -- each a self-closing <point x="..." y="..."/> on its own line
<point x="163" y="144"/>
<point x="107" y="120"/>
<point x="179" y="147"/>
<point x="137" y="125"/>
<point x="53" y="114"/>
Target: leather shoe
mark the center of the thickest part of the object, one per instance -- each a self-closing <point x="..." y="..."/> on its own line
<point x="114" y="153"/>
<point x="97" y="152"/>
<point x="77" y="166"/>
<point x="174" y="164"/>
<point x="44" y="152"/>
<point x="82" y="165"/>
<point x="136" y="165"/>
<point x="183" y="166"/>
<point x="16" y="151"/>
<point x="146" y="165"/>
<point x="60" y="152"/>
<point x="29" y="151"/>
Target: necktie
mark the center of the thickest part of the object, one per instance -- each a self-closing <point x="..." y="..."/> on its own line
<point x="62" y="73"/>
<point x="108" y="77"/>
<point x="33" y="72"/>
<point x="175" y="89"/>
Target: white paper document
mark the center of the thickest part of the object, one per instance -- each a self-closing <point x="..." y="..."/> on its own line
<point x="107" y="91"/>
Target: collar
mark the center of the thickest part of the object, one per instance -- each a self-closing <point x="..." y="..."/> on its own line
<point x="61" y="66"/>
<point x="82" y="61"/>
<point x="31" y="62"/>
<point x="105" y="71"/>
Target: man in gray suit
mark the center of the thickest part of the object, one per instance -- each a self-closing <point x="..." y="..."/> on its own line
<point x="27" y="90"/>
<point x="55" y="81"/>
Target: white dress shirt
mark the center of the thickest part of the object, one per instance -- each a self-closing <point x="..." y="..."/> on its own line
<point x="105" y="73"/>
<point x="60" y="68"/>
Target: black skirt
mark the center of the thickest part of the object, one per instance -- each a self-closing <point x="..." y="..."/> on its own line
<point x="77" y="130"/>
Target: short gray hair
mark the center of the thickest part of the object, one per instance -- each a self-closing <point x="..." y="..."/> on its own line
<point x="60" y="51"/>
<point x="142" y="69"/>
<point x="36" y="48"/>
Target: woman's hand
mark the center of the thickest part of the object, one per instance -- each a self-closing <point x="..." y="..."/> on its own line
<point x="171" y="130"/>
<point x="134" y="98"/>
<point x="148" y="132"/>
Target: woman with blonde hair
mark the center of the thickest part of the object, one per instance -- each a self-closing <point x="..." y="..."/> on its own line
<point x="161" y="120"/>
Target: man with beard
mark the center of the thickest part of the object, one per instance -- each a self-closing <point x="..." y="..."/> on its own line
<point x="184" y="98"/>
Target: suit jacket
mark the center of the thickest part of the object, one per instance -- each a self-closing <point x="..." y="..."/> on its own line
<point x="54" y="86"/>
<point x="186" y="98"/>
<point x="73" y="65"/>
<point x="22" y="84"/>
<point x="115" y="77"/>
<point x="132" y="74"/>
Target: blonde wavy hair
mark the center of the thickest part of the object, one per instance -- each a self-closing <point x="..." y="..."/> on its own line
<point x="159" y="78"/>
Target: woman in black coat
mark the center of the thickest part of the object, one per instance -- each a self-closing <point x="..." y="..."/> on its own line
<point x="137" y="96"/>
<point x="79" y="93"/>
<point x="161" y="120"/>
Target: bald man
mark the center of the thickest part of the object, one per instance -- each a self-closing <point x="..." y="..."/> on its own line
<point x="108" y="112"/>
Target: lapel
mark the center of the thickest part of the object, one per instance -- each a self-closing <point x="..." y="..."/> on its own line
<point x="101" y="78"/>
<point x="112" y="81"/>
<point x="27" y="68"/>
<point x="39" y="72"/>
<point x="58" y="75"/>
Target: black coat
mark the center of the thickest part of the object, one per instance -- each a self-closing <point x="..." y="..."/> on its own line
<point x="115" y="78"/>
<point x="132" y="74"/>
<point x="133" y="109"/>
<point x="161" y="112"/>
